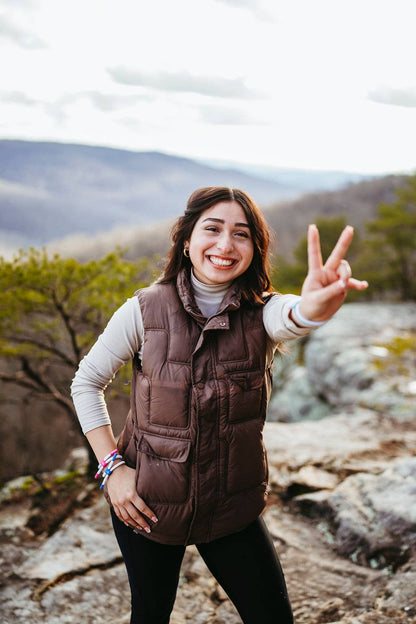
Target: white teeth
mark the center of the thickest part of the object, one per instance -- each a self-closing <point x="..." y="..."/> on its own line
<point x="221" y="261"/>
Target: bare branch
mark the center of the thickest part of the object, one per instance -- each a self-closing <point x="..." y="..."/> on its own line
<point x="44" y="347"/>
<point x="67" y="322"/>
<point x="48" y="386"/>
<point x="19" y="380"/>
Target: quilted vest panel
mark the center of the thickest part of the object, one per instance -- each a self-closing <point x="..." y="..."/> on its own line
<point x="198" y="403"/>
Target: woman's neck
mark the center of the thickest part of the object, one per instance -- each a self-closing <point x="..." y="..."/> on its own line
<point x="208" y="296"/>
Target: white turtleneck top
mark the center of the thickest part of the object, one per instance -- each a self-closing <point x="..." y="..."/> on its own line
<point x="123" y="338"/>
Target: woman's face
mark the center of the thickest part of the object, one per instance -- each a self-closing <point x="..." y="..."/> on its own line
<point x="221" y="247"/>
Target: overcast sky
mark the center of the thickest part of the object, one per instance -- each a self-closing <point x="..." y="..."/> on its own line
<point x="318" y="84"/>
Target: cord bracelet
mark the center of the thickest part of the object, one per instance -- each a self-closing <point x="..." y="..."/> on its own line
<point x="104" y="462"/>
<point x="108" y="472"/>
<point x="301" y="320"/>
<point x="106" y="466"/>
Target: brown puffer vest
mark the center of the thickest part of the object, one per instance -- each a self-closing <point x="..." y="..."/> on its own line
<point x="198" y="404"/>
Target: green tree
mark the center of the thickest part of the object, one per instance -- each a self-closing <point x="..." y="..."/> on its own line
<point x="52" y="311"/>
<point x="288" y="277"/>
<point x="388" y="260"/>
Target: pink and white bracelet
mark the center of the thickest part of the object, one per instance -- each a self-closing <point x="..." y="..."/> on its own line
<point x="104" y="462"/>
<point x="106" y="466"/>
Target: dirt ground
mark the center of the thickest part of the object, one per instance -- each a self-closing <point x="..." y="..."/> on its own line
<point x="324" y="587"/>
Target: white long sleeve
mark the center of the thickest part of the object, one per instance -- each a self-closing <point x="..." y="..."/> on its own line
<point x="123" y="337"/>
<point x="118" y="343"/>
<point x="277" y="323"/>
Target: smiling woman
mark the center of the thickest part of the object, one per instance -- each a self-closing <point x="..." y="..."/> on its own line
<point x="190" y="465"/>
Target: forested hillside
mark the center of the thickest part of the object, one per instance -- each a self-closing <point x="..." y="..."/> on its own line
<point x="358" y="203"/>
<point x="289" y="220"/>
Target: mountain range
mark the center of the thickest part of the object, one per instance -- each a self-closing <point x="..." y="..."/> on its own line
<point x="50" y="191"/>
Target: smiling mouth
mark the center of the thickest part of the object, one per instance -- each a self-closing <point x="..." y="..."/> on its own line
<point x="221" y="262"/>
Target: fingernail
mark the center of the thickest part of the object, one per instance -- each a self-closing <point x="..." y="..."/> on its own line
<point x="154" y="519"/>
<point x="342" y="283"/>
<point x="136" y="531"/>
<point x="147" y="529"/>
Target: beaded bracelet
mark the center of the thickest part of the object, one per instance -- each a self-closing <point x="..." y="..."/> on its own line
<point x="299" y="318"/>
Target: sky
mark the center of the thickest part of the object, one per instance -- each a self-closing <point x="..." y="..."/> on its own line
<point x="312" y="84"/>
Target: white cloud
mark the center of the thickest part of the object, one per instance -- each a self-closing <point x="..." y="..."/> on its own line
<point x="183" y="81"/>
<point x="262" y="9"/>
<point x="17" y="97"/>
<point x="19" y="36"/>
<point x="105" y="102"/>
<point x="227" y="116"/>
<point x="115" y="102"/>
<point x="394" y="96"/>
<point x="22" y="4"/>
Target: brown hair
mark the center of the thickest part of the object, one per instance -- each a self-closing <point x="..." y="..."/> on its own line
<point x="256" y="278"/>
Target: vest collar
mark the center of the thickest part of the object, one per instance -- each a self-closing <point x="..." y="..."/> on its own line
<point x="231" y="301"/>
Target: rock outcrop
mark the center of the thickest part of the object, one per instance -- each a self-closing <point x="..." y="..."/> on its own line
<point x="365" y="356"/>
<point x="342" y="504"/>
<point x="372" y="515"/>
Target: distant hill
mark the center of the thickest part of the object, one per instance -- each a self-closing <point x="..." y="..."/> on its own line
<point x="52" y="190"/>
<point x="296" y="182"/>
<point x="358" y="202"/>
<point x="288" y="219"/>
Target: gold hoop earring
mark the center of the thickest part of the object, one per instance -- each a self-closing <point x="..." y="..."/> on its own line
<point x="186" y="252"/>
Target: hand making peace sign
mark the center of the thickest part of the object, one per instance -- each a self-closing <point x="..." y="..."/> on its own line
<point x="326" y="285"/>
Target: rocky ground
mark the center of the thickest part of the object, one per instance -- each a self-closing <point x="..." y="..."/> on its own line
<point x="342" y="506"/>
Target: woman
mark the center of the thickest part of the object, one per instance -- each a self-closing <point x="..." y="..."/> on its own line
<point x="190" y="465"/>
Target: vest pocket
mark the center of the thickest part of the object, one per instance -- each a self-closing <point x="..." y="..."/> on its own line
<point x="163" y="470"/>
<point x="169" y="404"/>
<point x="245" y="396"/>
<point x="246" y="462"/>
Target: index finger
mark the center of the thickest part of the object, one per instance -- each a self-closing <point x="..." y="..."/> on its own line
<point x="340" y="249"/>
<point x="314" y="248"/>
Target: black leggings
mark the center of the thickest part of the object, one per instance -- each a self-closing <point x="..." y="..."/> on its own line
<point x="245" y="564"/>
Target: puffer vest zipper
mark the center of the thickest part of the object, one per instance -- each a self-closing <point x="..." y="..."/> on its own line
<point x="198" y="403"/>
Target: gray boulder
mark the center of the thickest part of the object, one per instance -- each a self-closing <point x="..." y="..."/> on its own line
<point x="373" y="516"/>
<point x="365" y="355"/>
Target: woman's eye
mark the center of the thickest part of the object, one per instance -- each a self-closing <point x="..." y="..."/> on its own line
<point x="242" y="234"/>
<point x="211" y="228"/>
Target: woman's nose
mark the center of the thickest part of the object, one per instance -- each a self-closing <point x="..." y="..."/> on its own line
<point x="225" y="242"/>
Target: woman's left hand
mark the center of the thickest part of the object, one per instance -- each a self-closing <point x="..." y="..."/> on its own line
<point x="326" y="285"/>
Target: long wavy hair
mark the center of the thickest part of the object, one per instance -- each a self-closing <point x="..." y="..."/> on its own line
<point x="256" y="279"/>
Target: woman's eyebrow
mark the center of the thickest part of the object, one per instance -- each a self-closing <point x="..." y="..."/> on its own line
<point x="222" y="221"/>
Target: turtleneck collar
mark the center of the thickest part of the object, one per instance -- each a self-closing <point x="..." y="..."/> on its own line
<point x="209" y="289"/>
<point x="208" y="296"/>
<point x="227" y="296"/>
